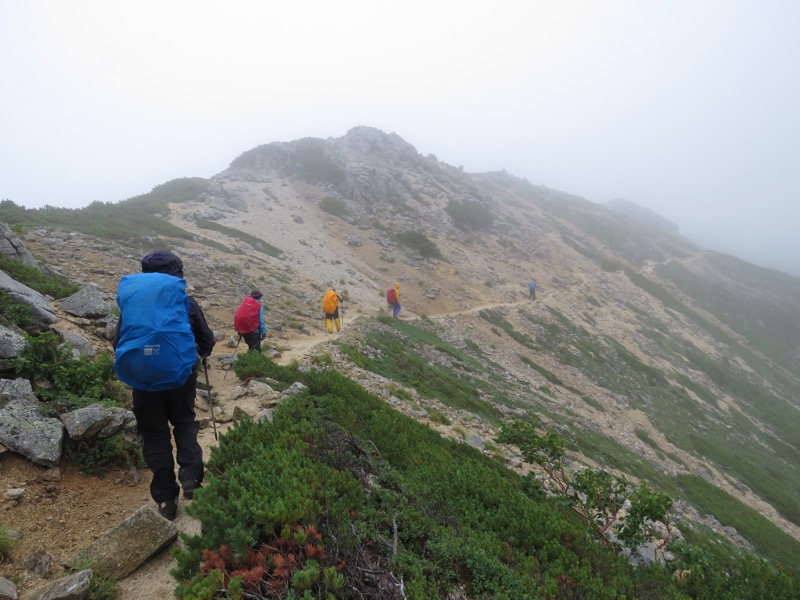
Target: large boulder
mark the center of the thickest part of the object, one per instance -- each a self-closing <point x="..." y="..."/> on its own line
<point x="96" y="420"/>
<point x="23" y="430"/>
<point x="87" y="302"/>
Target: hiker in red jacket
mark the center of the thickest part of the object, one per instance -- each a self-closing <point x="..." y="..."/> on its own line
<point x="249" y="321"/>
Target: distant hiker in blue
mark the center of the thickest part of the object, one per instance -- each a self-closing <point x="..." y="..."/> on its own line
<point x="532" y="288"/>
<point x="167" y="403"/>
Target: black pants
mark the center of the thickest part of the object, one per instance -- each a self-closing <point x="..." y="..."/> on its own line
<point x="154" y="412"/>
<point x="253" y="340"/>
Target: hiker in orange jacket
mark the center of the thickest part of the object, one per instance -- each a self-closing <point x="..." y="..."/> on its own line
<point x="330" y="306"/>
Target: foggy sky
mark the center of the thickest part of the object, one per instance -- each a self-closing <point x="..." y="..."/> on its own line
<point x="689" y="108"/>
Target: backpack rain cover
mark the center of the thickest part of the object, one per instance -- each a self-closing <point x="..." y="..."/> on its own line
<point x="245" y="320"/>
<point x="156" y="349"/>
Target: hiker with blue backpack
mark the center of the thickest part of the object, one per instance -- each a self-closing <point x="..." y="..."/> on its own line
<point x="161" y="339"/>
<point x="532" y="288"/>
<point x="248" y="320"/>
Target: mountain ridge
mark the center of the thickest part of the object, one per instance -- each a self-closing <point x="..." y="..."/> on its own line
<point x="636" y="336"/>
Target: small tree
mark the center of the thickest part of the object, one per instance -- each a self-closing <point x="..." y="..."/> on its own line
<point x="599" y="497"/>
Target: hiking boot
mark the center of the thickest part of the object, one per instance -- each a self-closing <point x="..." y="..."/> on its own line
<point x="189" y="486"/>
<point x="168" y="509"/>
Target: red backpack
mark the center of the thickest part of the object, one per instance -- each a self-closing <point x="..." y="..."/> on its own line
<point x="390" y="298"/>
<point x="246" y="318"/>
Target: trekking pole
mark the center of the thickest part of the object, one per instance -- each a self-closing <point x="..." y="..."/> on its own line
<point x="230" y="366"/>
<point x="210" y="400"/>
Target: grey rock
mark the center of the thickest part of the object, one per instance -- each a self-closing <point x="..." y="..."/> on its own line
<point x="72" y="587"/>
<point x="80" y="345"/>
<point x="12" y="247"/>
<point x="239" y="413"/>
<point x="295" y="388"/>
<point x="120" y="551"/>
<point x="87" y="302"/>
<point x="95" y="420"/>
<point x="264" y="415"/>
<point x="38" y="562"/>
<point x="23" y="430"/>
<point x="15" y="494"/>
<point x="11" y="342"/>
<point x="8" y="591"/>
<point x="41" y="313"/>
<point x="475" y="441"/>
<point x="15" y="387"/>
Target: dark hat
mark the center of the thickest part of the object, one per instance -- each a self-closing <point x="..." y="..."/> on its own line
<point x="256" y="294"/>
<point x="162" y="261"/>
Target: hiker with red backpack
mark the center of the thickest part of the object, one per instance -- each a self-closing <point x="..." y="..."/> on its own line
<point x="249" y="321"/>
<point x="159" y="335"/>
<point x="393" y="299"/>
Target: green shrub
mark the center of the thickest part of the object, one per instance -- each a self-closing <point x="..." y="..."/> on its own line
<point x="128" y="220"/>
<point x="64" y="383"/>
<point x="343" y="477"/>
<point x="469" y="214"/>
<point x="7" y="543"/>
<point x="56" y="286"/>
<point x="610" y="266"/>
<point x="254" y="365"/>
<point x="98" y="456"/>
<point x="255" y="242"/>
<point x="11" y="313"/>
<point x="418" y="241"/>
<point x="334" y="206"/>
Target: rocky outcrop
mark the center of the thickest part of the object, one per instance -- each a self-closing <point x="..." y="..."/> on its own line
<point x="12" y="247"/>
<point x="42" y="315"/>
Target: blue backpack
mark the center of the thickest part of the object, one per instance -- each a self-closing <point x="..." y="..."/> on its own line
<point x="156" y="349"/>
